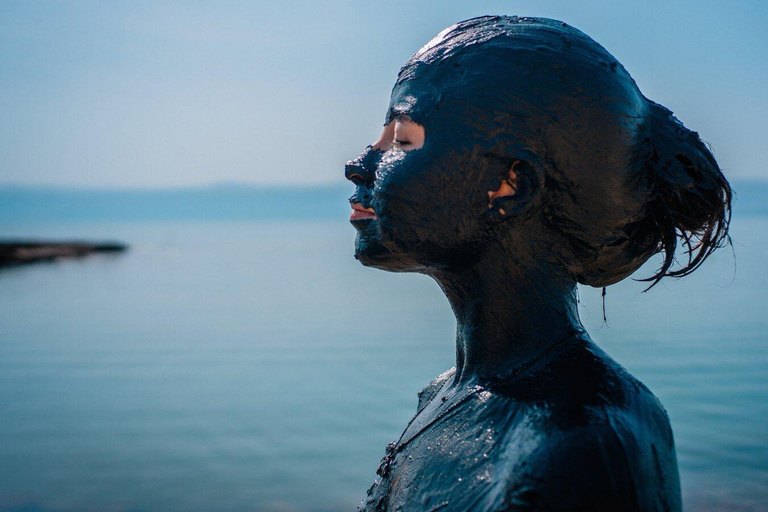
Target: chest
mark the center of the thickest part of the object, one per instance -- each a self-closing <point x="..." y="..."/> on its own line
<point x="452" y="460"/>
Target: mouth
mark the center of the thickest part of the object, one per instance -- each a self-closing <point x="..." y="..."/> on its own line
<point x="360" y="213"/>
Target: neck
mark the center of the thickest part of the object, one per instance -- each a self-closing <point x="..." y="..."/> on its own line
<point x="510" y="308"/>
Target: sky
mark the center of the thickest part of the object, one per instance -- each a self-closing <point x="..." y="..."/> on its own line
<point x="175" y="94"/>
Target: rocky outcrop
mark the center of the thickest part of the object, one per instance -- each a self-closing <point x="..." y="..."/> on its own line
<point x="23" y="252"/>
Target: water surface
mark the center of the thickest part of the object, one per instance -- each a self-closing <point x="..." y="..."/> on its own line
<point x="254" y="365"/>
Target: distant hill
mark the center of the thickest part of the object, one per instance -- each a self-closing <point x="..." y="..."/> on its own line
<point x="222" y="202"/>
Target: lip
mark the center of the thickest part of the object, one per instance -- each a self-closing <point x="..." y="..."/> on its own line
<point x="362" y="215"/>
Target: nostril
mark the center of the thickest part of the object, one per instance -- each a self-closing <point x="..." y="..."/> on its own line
<point x="353" y="171"/>
<point x="356" y="179"/>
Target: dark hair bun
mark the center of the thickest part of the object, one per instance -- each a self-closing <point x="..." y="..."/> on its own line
<point x="691" y="198"/>
<point x="690" y="202"/>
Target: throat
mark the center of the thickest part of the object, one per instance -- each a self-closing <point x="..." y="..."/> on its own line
<point x="508" y="313"/>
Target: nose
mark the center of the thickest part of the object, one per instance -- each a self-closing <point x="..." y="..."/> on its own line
<point x="362" y="172"/>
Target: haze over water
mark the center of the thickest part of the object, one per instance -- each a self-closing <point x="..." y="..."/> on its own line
<point x="255" y="365"/>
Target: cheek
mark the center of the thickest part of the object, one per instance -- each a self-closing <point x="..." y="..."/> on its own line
<point x="403" y="178"/>
<point x="400" y="197"/>
<point x="429" y="196"/>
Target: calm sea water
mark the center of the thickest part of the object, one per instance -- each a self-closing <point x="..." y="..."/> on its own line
<point x="256" y="366"/>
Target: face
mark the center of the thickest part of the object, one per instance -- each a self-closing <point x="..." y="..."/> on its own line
<point x="422" y="189"/>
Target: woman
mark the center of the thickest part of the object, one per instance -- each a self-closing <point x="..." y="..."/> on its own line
<point x="518" y="159"/>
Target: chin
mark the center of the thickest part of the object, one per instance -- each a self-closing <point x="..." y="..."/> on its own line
<point x="376" y="255"/>
<point x="371" y="252"/>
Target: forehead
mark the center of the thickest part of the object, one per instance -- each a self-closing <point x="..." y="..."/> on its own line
<point x="479" y="74"/>
<point x="522" y="85"/>
<point x="414" y="97"/>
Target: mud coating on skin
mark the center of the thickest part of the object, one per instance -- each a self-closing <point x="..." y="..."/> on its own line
<point x="542" y="166"/>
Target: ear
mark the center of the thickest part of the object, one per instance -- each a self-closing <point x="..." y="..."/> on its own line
<point x="517" y="189"/>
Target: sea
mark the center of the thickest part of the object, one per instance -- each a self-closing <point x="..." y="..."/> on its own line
<point x="238" y="358"/>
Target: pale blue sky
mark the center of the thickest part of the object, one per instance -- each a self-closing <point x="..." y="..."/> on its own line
<point x="145" y="94"/>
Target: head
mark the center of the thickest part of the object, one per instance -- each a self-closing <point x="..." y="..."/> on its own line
<point x="525" y="133"/>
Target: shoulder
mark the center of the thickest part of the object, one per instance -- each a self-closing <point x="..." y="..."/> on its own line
<point x="593" y="468"/>
<point x="597" y="439"/>
<point x="580" y="385"/>
<point x="431" y="389"/>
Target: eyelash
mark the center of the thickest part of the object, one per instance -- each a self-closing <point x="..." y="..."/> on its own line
<point x="402" y="142"/>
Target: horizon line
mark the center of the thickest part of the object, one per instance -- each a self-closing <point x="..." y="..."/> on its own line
<point x="325" y="185"/>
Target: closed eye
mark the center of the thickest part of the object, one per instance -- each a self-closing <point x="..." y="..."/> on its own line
<point x="395" y="133"/>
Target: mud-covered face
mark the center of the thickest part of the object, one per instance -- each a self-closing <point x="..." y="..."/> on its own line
<point x="421" y="206"/>
<point x="492" y="93"/>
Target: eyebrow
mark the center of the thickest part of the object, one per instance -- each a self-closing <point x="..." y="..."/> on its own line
<point x="394" y="116"/>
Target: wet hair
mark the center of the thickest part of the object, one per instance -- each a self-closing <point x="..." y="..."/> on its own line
<point x="624" y="179"/>
<point x="688" y="204"/>
<point x="690" y="197"/>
